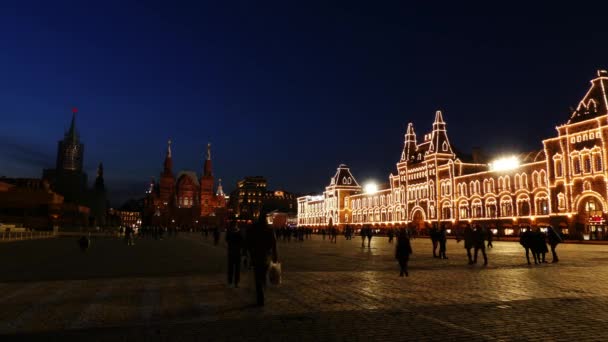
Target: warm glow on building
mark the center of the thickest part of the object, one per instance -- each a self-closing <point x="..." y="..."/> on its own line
<point x="504" y="164"/>
<point x="563" y="184"/>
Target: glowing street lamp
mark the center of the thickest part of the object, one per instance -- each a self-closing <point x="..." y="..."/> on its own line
<point x="504" y="164"/>
<point x="371" y="188"/>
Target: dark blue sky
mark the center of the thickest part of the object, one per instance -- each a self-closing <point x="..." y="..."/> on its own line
<point x="287" y="89"/>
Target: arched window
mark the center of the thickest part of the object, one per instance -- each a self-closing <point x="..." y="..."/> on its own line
<point x="542" y="178"/>
<point x="576" y="165"/>
<point x="446" y="211"/>
<point x="463" y="210"/>
<point x="472" y="187"/>
<point x="491" y="208"/>
<point x="561" y="201"/>
<point x="542" y="206"/>
<point x="517" y="181"/>
<point x="597" y="158"/>
<point x="476" y="209"/>
<point x="587" y="163"/>
<point x="523" y="206"/>
<point x="506" y="207"/>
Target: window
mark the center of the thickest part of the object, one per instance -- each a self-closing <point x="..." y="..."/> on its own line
<point x="446" y="212"/>
<point x="464" y="211"/>
<point x="577" y="165"/>
<point x="587" y="163"/>
<point x="558" y="168"/>
<point x="506" y="207"/>
<point x="598" y="162"/>
<point x="561" y="201"/>
<point x="542" y="206"/>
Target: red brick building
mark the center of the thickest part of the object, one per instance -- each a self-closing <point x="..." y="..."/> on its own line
<point x="185" y="201"/>
<point x="564" y="183"/>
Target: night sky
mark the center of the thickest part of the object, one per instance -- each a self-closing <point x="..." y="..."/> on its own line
<point x="287" y="90"/>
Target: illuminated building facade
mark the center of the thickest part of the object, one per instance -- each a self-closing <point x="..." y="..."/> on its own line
<point x="563" y="184"/>
<point x="185" y="201"/>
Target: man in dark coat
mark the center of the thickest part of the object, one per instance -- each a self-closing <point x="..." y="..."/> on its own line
<point x="468" y="242"/>
<point x="554" y="240"/>
<point x="403" y="251"/>
<point x="479" y="245"/>
<point x="490" y="238"/>
<point x="363" y="233"/>
<point x="442" y="239"/>
<point x="234" y="239"/>
<point x="434" y="239"/>
<point x="262" y="246"/>
<point x="370" y="234"/>
<point x="527" y="240"/>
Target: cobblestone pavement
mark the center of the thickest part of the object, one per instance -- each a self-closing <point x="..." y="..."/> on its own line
<point x="175" y="289"/>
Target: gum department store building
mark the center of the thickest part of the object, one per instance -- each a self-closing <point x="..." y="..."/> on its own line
<point x="565" y="184"/>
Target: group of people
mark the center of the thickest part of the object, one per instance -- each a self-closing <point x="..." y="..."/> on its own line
<point x="297" y="233"/>
<point x="536" y="241"/>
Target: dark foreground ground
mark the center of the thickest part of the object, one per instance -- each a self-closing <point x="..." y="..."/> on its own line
<point x="175" y="290"/>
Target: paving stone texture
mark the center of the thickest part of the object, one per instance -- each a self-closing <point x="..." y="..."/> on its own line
<point x="175" y="290"/>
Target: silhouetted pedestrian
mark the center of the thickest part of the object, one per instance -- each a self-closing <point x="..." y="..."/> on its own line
<point x="403" y="251"/>
<point x="262" y="246"/>
<point x="363" y="233"/>
<point x="479" y="244"/>
<point x="234" y="239"/>
<point x="442" y="239"/>
<point x="554" y="240"/>
<point x="370" y="234"/>
<point x="468" y="242"/>
<point x="490" y="238"/>
<point x="390" y="234"/>
<point x="526" y="239"/>
<point x="434" y="239"/>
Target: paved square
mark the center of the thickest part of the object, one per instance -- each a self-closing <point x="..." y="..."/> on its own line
<point x="174" y="289"/>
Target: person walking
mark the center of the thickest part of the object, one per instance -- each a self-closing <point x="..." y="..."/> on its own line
<point x="403" y="251"/>
<point x="479" y="245"/>
<point x="526" y="239"/>
<point x="262" y="245"/>
<point x="468" y="242"/>
<point x="363" y="233"/>
<point x="390" y="233"/>
<point x="370" y="234"/>
<point x="234" y="239"/>
<point x="442" y="239"/>
<point x="490" y="238"/>
<point x="554" y="240"/>
<point x="433" y="234"/>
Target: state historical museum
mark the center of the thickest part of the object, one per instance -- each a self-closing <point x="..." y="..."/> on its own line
<point x="564" y="184"/>
<point x="186" y="201"/>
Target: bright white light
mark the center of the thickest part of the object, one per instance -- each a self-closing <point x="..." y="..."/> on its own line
<point x="371" y="188"/>
<point x="503" y="164"/>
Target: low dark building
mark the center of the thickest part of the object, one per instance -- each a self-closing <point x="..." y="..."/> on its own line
<point x="252" y="196"/>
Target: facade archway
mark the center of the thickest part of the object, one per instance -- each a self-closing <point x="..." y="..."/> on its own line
<point x="590" y="209"/>
<point x="418" y="218"/>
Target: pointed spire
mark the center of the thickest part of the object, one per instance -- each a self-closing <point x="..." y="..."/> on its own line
<point x="207" y="166"/>
<point x="99" y="182"/>
<point x="168" y="170"/>
<point x="440" y="144"/>
<point x="72" y="135"/>
<point x="439" y="117"/>
<point x="409" y="147"/>
<point x="220" y="190"/>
